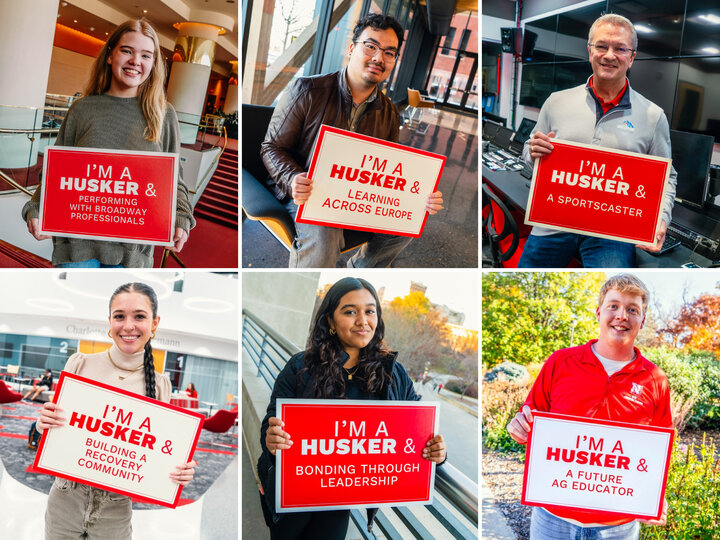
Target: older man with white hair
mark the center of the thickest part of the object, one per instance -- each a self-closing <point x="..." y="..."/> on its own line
<point x="605" y="111"/>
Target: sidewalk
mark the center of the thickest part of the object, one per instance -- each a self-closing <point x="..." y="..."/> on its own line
<point x="494" y="526"/>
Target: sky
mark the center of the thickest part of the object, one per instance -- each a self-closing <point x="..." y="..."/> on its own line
<point x="457" y="289"/>
<point x="667" y="286"/>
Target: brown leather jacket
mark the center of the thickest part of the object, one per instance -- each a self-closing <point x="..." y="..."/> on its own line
<point x="303" y="108"/>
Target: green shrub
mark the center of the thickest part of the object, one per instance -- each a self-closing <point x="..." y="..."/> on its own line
<point x="693" y="494"/>
<point x="500" y="402"/>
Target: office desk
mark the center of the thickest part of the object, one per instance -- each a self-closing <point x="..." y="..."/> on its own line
<point x="515" y="188"/>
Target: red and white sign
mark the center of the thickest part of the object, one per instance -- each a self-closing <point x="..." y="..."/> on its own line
<point x="354" y="454"/>
<point x="118" y="441"/>
<point x="369" y="184"/>
<point x="109" y="195"/>
<point x="599" y="191"/>
<point x="614" y="468"/>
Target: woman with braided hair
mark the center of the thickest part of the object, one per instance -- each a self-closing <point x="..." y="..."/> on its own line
<point x="75" y="510"/>
<point x="345" y="358"/>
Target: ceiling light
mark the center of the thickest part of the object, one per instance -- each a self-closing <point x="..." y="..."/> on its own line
<point x="92" y="28"/>
<point x="710" y="50"/>
<point x="710" y="18"/>
<point x="144" y="10"/>
<point x="644" y="29"/>
<point x="74" y="20"/>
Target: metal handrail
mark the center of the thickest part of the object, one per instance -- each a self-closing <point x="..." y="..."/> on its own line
<point x="14" y="184"/>
<point x="454" y="486"/>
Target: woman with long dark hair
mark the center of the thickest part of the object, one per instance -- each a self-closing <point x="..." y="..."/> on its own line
<point x="75" y="510"/>
<point x="345" y="358"/>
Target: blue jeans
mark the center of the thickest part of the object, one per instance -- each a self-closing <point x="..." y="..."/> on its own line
<point x="316" y="246"/>
<point x="557" y="250"/>
<point x="545" y="526"/>
<point x="90" y="263"/>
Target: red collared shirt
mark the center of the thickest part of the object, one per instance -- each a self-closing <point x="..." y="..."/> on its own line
<point x="607" y="105"/>
<point x="573" y="381"/>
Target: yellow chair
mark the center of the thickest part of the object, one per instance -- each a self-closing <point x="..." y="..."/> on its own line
<point x="417" y="103"/>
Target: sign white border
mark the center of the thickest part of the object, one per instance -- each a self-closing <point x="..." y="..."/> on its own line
<point x="278" y="455"/>
<point x="176" y="160"/>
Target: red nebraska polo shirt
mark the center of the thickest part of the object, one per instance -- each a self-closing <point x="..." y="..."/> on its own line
<point x="607" y="105"/>
<point x="573" y="381"/>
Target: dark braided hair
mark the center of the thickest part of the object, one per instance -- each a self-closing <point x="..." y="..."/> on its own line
<point x="324" y="356"/>
<point x="142" y="288"/>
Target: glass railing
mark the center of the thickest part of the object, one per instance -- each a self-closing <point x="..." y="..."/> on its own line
<point x="26" y="131"/>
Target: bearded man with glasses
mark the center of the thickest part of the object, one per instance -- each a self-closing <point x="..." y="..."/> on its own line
<point x="605" y="111"/>
<point x="348" y="99"/>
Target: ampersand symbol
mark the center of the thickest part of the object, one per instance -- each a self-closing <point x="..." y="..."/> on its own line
<point x="409" y="446"/>
<point x="150" y="191"/>
<point x="167" y="449"/>
<point x="642" y="467"/>
<point x="640" y="193"/>
<point x="416" y="187"/>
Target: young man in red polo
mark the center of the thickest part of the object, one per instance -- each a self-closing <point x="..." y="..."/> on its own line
<point x="607" y="378"/>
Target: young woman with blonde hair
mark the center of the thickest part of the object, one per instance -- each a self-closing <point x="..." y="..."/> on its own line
<point x="124" y="108"/>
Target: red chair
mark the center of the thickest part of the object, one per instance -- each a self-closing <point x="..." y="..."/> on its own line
<point x="220" y="422"/>
<point x="505" y="230"/>
<point x="8" y="396"/>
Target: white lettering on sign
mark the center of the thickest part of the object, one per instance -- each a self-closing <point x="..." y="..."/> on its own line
<point x="93" y="185"/>
<point x="347" y="446"/>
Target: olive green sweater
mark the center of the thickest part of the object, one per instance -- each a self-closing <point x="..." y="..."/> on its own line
<point x="104" y="121"/>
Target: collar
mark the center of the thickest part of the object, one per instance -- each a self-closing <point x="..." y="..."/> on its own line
<point x="608" y="105"/>
<point x="634" y="366"/>
<point x="129" y="361"/>
<point x="347" y="94"/>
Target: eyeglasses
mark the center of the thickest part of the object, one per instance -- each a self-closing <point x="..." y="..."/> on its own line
<point x="603" y="49"/>
<point x="370" y="49"/>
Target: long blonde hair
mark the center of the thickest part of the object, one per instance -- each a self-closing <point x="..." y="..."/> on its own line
<point x="151" y="92"/>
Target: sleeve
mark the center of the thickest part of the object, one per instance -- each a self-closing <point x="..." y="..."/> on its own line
<point x="284" y="388"/>
<point x="661" y="147"/>
<point x="543" y="126"/>
<point x="539" y="398"/>
<point x="283" y="134"/>
<point x="65" y="137"/>
<point x="171" y="143"/>
<point x="404" y="382"/>
<point x="73" y="365"/>
<point x="164" y="387"/>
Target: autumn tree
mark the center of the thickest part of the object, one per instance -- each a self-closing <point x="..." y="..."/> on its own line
<point x="417" y="330"/>
<point x="697" y="326"/>
<point x="526" y="316"/>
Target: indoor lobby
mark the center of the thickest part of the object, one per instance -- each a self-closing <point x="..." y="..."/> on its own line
<point x="46" y="318"/>
<point x="433" y="83"/>
<point x="48" y="50"/>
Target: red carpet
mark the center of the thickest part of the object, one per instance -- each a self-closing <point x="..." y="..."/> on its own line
<point x="210" y="245"/>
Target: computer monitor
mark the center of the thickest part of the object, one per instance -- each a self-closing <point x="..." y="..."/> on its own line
<point x="502" y="138"/>
<point x="523" y="132"/>
<point x="691" y="155"/>
<point x="489" y="130"/>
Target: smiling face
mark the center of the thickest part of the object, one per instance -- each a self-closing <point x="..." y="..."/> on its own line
<point x="610" y="67"/>
<point x="620" y="317"/>
<point x="131" y="62"/>
<point x="131" y="321"/>
<point x="355" y="320"/>
<point x="371" y="70"/>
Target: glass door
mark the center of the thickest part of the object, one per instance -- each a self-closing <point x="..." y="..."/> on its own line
<point x="461" y="91"/>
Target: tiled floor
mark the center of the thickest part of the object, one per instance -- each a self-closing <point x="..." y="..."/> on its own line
<point x="450" y="238"/>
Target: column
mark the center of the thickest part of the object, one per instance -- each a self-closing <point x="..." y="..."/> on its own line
<point x="192" y="62"/>
<point x="27" y="29"/>
<point x="231" y="97"/>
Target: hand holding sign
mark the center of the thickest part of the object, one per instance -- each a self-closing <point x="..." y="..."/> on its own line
<point x="275" y="438"/>
<point x="50" y="417"/>
<point x="659" y="239"/>
<point x="519" y="427"/>
<point x="301" y="188"/>
<point x="34" y="229"/>
<point x="435" y="449"/>
<point x="540" y="144"/>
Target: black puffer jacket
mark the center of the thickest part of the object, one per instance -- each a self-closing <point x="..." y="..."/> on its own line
<point x="287" y="385"/>
<point x="309" y="103"/>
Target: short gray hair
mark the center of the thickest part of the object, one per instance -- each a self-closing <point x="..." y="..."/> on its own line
<point x="617" y="20"/>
